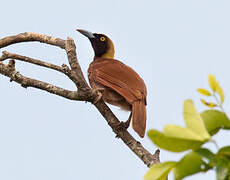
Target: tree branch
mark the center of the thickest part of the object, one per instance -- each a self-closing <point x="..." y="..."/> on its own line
<point x="30" y="36"/>
<point x="75" y="66"/>
<point x="10" y="71"/>
<point x="84" y="93"/>
<point x="64" y="69"/>
<point x="8" y="55"/>
<point x="126" y="137"/>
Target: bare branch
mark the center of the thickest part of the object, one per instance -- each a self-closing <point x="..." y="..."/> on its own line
<point x="30" y="36"/>
<point x="84" y="92"/>
<point x="126" y="137"/>
<point x="64" y="69"/>
<point x="9" y="71"/>
<point x="75" y="66"/>
<point x="8" y="55"/>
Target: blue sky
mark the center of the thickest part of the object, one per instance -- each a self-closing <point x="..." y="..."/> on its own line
<point x="173" y="45"/>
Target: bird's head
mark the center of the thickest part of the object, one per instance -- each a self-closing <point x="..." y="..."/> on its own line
<point x="102" y="45"/>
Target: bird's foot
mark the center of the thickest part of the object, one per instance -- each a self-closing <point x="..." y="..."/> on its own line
<point x="99" y="92"/>
<point x="122" y="126"/>
<point x="126" y="123"/>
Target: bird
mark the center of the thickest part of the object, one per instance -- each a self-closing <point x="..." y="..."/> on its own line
<point x="118" y="83"/>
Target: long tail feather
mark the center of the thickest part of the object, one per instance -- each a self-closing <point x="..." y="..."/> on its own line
<point x="139" y="117"/>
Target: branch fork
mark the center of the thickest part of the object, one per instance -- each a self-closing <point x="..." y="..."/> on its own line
<point x="74" y="73"/>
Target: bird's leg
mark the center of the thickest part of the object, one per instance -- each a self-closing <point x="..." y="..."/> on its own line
<point x="99" y="92"/>
<point x="124" y="125"/>
<point x="127" y="123"/>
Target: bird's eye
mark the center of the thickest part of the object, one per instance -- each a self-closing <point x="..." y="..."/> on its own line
<point x="102" y="38"/>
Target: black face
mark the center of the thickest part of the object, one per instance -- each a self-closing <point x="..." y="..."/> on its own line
<point x="100" y="44"/>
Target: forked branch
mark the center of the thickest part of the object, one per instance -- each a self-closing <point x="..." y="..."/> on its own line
<point x="83" y="93"/>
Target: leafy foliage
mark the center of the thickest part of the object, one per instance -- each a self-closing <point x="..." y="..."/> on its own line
<point x="200" y="127"/>
<point x="172" y="144"/>
<point x="176" y="138"/>
<point x="215" y="120"/>
<point x="185" y="168"/>
<point x="204" y="92"/>
<point x="214" y="85"/>
<point x="159" y="171"/>
<point x="209" y="104"/>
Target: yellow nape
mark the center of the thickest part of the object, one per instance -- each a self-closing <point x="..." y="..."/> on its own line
<point x="110" y="51"/>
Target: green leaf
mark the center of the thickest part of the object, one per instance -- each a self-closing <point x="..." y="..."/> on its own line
<point x="182" y="133"/>
<point x="220" y="91"/>
<point x="223" y="163"/>
<point x="206" y="153"/>
<point x="172" y="144"/>
<point x="222" y="168"/>
<point x="159" y="171"/>
<point x="190" y="164"/>
<point x="194" y="121"/>
<point x="214" y="120"/>
<point x="176" y="138"/>
<point x="204" y="92"/>
<point x="195" y="129"/>
<point x="209" y="104"/>
<point x="214" y="85"/>
<point x="224" y="151"/>
<point x="212" y="82"/>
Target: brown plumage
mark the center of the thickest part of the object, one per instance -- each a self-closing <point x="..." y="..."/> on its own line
<point x="121" y="85"/>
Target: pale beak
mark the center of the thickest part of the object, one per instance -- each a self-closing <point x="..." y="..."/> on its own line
<point x="86" y="33"/>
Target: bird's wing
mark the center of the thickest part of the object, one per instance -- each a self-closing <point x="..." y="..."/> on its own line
<point x="119" y="77"/>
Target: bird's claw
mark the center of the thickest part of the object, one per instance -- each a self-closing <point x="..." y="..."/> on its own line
<point x="122" y="126"/>
<point x="97" y="91"/>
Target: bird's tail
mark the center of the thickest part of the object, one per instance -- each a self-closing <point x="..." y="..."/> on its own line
<point x="139" y="117"/>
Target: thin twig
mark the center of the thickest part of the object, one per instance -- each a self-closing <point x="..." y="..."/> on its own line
<point x="8" y="55"/>
<point x="218" y="103"/>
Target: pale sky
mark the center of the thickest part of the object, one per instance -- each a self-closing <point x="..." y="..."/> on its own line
<point x="172" y="44"/>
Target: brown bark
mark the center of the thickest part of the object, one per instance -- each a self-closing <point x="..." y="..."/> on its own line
<point x="83" y="92"/>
